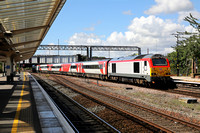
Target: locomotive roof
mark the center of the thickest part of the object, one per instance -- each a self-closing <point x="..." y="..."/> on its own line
<point x="138" y="57"/>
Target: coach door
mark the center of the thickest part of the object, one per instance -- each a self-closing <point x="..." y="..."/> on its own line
<point x="104" y="68"/>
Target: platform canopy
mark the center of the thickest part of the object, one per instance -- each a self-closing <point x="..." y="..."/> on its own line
<point x="24" y="24"/>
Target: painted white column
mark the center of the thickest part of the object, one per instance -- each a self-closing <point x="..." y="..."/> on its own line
<point x="14" y="67"/>
<point x="3" y="70"/>
<point x="8" y="66"/>
<point x="9" y="69"/>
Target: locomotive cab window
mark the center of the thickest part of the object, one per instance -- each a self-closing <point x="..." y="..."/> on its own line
<point x="136" y="67"/>
<point x="159" y="62"/>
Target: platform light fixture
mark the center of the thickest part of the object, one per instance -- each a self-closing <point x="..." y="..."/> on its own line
<point x="17" y="51"/>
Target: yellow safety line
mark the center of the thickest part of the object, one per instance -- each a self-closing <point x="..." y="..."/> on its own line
<point x="15" y="123"/>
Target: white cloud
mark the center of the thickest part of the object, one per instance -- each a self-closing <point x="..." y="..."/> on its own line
<point x="182" y="15"/>
<point x="84" y="39"/>
<point x="92" y="27"/>
<point x="52" y="44"/>
<point x="89" y="29"/>
<point x="170" y="6"/>
<point x="129" y="12"/>
<point x="150" y="32"/>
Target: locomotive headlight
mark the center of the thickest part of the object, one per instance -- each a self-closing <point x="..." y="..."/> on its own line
<point x="153" y="74"/>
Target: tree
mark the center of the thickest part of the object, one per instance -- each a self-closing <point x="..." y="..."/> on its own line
<point x="188" y="49"/>
<point x="173" y="61"/>
<point x="1" y="67"/>
<point x="193" y="22"/>
<point x="193" y="42"/>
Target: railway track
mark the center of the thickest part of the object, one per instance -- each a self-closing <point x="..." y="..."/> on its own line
<point x="187" y="89"/>
<point x="153" y="118"/>
<point x="82" y="120"/>
<point x="185" y="92"/>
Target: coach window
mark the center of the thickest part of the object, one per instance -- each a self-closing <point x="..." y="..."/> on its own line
<point x="136" y="67"/>
<point x="73" y="67"/>
<point x="56" y="67"/>
<point x="114" y="68"/>
<point x="100" y="66"/>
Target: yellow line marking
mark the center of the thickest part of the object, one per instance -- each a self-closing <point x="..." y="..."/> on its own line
<point x="16" y="120"/>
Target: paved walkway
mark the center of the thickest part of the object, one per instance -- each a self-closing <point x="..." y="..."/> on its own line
<point x="17" y="107"/>
<point x="186" y="78"/>
<point x="26" y="107"/>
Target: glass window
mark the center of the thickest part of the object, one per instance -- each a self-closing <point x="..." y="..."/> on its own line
<point x="73" y="67"/>
<point x="159" y="62"/>
<point x="145" y="63"/>
<point x="101" y="66"/>
<point x="55" y="66"/>
<point x="92" y="66"/>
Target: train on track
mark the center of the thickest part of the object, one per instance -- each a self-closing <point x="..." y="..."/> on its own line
<point x="145" y="69"/>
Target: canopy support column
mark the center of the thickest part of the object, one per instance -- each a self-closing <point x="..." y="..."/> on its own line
<point x="9" y="69"/>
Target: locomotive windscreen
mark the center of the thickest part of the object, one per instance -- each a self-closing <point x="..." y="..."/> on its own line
<point x="159" y="62"/>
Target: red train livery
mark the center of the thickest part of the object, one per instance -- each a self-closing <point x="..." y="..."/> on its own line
<point x="148" y="68"/>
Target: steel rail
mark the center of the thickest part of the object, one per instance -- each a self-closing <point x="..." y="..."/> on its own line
<point x="110" y="105"/>
<point x="143" y="108"/>
<point x="56" y="109"/>
<point x="94" y="116"/>
<point x="187" y="93"/>
<point x="89" y="112"/>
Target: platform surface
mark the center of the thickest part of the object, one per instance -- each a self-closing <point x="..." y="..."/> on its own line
<point x="17" y="108"/>
<point x="26" y="107"/>
<point x="186" y="78"/>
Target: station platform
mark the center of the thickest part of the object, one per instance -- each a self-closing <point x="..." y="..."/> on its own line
<point x="24" y="108"/>
<point x="186" y="78"/>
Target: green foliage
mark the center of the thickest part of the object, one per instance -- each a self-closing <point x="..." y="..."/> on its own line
<point x="187" y="50"/>
<point x="1" y="67"/>
<point x="193" y="22"/>
<point x="173" y="61"/>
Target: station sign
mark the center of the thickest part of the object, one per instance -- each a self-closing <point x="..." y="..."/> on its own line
<point x="8" y="67"/>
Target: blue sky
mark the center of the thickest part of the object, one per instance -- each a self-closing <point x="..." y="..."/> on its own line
<point x="144" y="23"/>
